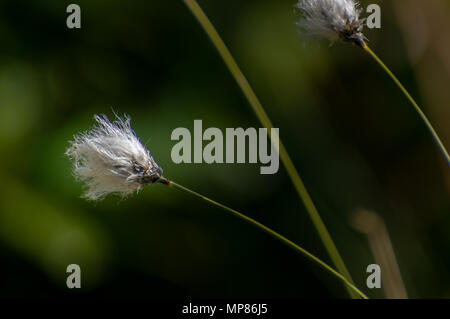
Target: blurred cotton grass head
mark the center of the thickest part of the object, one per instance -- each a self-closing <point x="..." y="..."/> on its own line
<point x="332" y="19"/>
<point x="110" y="158"/>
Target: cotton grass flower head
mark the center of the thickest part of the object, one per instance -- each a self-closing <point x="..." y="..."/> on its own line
<point x="111" y="159"/>
<point x="332" y="19"/>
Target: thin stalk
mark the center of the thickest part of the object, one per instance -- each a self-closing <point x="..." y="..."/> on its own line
<point x="271" y="232"/>
<point x="265" y="121"/>
<point x="413" y="102"/>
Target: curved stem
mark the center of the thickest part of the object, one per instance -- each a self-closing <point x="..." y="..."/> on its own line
<point x="265" y="121"/>
<point x="413" y="102"/>
<point x="271" y="232"/>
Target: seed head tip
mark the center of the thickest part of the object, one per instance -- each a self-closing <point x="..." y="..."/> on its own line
<point x="332" y="19"/>
<point x="110" y="158"/>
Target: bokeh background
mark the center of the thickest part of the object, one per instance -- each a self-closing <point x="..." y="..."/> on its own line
<point x="368" y="161"/>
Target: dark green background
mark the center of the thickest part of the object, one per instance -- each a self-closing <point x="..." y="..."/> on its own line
<point x="354" y="138"/>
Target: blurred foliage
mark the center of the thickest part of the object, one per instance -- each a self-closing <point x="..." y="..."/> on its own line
<point x="353" y="137"/>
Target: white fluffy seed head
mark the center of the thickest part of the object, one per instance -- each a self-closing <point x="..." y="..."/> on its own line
<point x="332" y="19"/>
<point x="111" y="159"/>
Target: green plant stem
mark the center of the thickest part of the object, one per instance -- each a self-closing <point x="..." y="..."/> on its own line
<point x="271" y="232"/>
<point x="413" y="102"/>
<point x="265" y="121"/>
